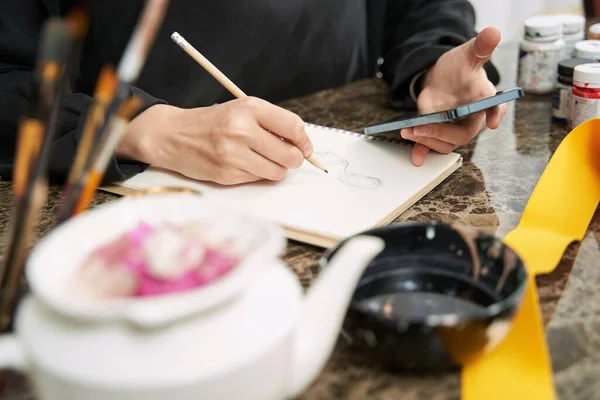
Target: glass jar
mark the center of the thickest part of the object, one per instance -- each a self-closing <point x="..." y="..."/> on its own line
<point x="573" y="31"/>
<point x="561" y="99"/>
<point x="541" y="50"/>
<point x="585" y="95"/>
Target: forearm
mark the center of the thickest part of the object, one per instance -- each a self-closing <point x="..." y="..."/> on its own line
<point x="72" y="116"/>
<point x="65" y="147"/>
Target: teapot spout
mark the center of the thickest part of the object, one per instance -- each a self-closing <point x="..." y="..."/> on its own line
<point x="325" y="307"/>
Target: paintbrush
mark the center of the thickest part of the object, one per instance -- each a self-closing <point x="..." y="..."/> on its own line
<point x="116" y="128"/>
<point x="83" y="190"/>
<point x="36" y="132"/>
<point x="106" y="89"/>
<point x="128" y="71"/>
<point x="76" y="23"/>
<point x="46" y="83"/>
<point x="222" y="79"/>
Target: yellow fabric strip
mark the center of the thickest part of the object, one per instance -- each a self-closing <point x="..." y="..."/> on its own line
<point x="558" y="213"/>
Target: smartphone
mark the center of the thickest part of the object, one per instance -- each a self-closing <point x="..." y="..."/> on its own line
<point x="452" y="115"/>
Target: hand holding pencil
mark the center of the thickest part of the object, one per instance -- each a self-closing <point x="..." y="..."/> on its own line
<point x="233" y="89"/>
<point x="232" y="143"/>
<point x="244" y="140"/>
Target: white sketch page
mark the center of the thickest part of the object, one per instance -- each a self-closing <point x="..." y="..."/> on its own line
<point x="368" y="179"/>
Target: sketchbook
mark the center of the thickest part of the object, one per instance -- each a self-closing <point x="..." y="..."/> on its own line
<point x="371" y="181"/>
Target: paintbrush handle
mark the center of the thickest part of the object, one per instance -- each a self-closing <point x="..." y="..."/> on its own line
<point x="20" y="235"/>
<point x="139" y="44"/>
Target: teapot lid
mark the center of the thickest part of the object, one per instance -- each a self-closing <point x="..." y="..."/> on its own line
<point x="57" y="258"/>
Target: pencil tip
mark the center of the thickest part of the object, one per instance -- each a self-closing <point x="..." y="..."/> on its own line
<point x="326" y="171"/>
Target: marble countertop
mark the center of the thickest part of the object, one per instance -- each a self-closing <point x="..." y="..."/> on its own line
<point x="489" y="191"/>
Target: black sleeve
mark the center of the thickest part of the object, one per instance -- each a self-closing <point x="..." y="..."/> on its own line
<point x="20" y="26"/>
<point x="415" y="34"/>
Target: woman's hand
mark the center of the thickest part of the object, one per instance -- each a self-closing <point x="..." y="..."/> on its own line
<point x="229" y="144"/>
<point x="457" y="78"/>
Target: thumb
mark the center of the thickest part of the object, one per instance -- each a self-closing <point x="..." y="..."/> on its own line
<point x="479" y="49"/>
<point x="418" y="154"/>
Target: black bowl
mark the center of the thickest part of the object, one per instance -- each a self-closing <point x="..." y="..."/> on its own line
<point x="435" y="298"/>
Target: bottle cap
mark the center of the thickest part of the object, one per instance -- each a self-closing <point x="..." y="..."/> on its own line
<point x="543" y="27"/>
<point x="566" y="67"/>
<point x="589" y="49"/>
<point x="587" y="75"/>
<point x="594" y="31"/>
<point x="572" y="23"/>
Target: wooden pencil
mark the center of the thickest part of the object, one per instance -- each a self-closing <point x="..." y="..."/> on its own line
<point x="223" y="79"/>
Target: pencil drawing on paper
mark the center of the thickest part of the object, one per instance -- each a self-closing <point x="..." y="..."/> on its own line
<point x="338" y="168"/>
<point x="338" y="171"/>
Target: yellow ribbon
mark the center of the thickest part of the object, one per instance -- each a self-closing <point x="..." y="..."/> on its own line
<point x="558" y="213"/>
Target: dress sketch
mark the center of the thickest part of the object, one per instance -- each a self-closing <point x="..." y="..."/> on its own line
<point x="338" y="172"/>
<point x="338" y="169"/>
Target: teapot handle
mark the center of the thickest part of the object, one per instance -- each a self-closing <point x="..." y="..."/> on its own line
<point x="11" y="353"/>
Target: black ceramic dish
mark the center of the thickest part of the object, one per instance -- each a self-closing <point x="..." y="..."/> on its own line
<point x="436" y="297"/>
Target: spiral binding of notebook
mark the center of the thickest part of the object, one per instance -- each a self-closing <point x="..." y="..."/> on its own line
<point x="379" y="138"/>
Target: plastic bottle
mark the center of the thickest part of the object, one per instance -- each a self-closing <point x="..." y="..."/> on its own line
<point x="585" y="96"/>
<point x="561" y="100"/>
<point x="541" y="50"/>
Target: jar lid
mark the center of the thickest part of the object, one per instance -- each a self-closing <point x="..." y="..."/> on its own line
<point x="594" y="29"/>
<point x="566" y="67"/>
<point x="587" y="74"/>
<point x="572" y="23"/>
<point x="589" y="49"/>
<point x="543" y="26"/>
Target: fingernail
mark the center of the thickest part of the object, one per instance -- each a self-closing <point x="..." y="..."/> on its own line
<point x="422" y="130"/>
<point x="307" y="149"/>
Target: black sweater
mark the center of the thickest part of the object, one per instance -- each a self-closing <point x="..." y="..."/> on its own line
<point x="273" y="49"/>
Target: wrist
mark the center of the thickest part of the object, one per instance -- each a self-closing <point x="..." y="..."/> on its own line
<point x="141" y="137"/>
<point x="417" y="84"/>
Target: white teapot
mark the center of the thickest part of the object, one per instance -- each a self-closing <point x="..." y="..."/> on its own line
<point x="252" y="334"/>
